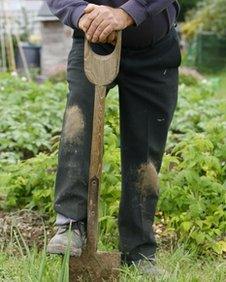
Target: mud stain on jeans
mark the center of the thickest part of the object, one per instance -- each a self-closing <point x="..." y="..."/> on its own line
<point x="74" y="124"/>
<point x="148" y="179"/>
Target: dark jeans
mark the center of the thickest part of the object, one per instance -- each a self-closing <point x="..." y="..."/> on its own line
<point x="148" y="87"/>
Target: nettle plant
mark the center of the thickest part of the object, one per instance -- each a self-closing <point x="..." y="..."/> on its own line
<point x="193" y="196"/>
<point x="193" y="177"/>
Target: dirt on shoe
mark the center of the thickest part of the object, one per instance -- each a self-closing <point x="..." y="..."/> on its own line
<point x="68" y="239"/>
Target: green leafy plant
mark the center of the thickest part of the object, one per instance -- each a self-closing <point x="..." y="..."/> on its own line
<point x="32" y="116"/>
<point x="30" y="184"/>
<point x="193" y="195"/>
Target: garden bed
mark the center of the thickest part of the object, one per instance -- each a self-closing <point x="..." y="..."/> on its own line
<point x="191" y="218"/>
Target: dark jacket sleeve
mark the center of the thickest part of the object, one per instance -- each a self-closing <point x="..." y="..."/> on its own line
<point x="139" y="10"/>
<point x="68" y="11"/>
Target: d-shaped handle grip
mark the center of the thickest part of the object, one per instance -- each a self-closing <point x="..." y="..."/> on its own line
<point x="102" y="70"/>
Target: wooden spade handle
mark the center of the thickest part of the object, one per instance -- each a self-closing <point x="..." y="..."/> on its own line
<point x="100" y="70"/>
<point x="95" y="169"/>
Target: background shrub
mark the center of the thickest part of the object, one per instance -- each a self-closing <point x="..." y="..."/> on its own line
<point x="210" y="17"/>
<point x="187" y="5"/>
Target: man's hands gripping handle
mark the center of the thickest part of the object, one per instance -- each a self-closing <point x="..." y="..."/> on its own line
<point x="101" y="23"/>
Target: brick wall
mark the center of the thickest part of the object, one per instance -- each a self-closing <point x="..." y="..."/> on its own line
<point x="56" y="44"/>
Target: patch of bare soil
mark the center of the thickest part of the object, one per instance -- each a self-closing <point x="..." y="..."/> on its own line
<point x="22" y="229"/>
<point x="191" y="72"/>
<point x="165" y="237"/>
<point x="25" y="228"/>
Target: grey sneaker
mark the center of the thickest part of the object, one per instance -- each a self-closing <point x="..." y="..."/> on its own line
<point x="74" y="237"/>
<point x="148" y="266"/>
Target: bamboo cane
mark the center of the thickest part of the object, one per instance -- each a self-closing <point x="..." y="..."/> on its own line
<point x="24" y="60"/>
<point x="9" y="40"/>
<point x="2" y="38"/>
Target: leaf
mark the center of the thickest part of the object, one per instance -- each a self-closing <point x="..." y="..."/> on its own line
<point x="186" y="225"/>
<point x="223" y="244"/>
<point x="218" y="248"/>
<point x="199" y="237"/>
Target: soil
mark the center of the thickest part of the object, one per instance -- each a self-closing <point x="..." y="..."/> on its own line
<point x="165" y="237"/>
<point x="26" y="228"/>
<point x="22" y="229"/>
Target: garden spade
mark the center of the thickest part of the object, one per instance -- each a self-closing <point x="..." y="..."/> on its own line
<point x="94" y="265"/>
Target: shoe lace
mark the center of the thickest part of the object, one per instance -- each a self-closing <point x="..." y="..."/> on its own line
<point x="77" y="227"/>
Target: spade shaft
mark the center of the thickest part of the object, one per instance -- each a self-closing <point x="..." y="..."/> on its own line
<point x="93" y="265"/>
<point x="95" y="168"/>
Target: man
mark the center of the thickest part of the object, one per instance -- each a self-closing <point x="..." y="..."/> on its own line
<point x="148" y="84"/>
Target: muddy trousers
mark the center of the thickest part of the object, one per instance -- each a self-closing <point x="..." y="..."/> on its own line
<point x="148" y="86"/>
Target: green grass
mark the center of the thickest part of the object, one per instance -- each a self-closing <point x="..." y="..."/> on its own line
<point x="222" y="86"/>
<point x="179" y="264"/>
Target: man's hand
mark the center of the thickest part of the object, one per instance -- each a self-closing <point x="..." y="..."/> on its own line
<point x="100" y="22"/>
<point x="110" y="39"/>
